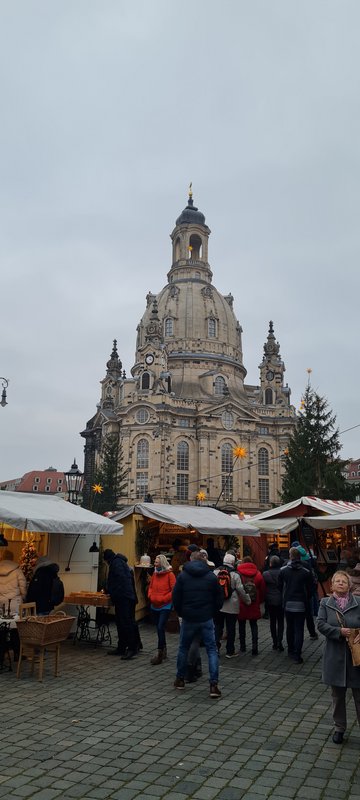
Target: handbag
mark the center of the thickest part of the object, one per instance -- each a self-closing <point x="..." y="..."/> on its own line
<point x="354" y="648"/>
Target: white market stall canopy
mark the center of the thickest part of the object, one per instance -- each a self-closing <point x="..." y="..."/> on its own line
<point x="317" y="503"/>
<point x="276" y="525"/>
<point x="41" y="514"/>
<point x="208" y="521"/>
<point x="335" y="520"/>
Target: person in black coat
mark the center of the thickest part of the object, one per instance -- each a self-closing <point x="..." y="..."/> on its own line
<point x="197" y="597"/>
<point x="120" y="586"/>
<point x="45" y="588"/>
<point x="295" y="583"/>
<point x="274" y="602"/>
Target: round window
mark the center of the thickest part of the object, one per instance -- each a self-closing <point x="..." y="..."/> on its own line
<point x="142" y="416"/>
<point x="227" y="419"/>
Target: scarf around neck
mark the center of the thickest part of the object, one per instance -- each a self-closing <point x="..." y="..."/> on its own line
<point x="342" y="601"/>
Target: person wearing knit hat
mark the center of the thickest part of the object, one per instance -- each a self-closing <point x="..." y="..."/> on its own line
<point x="192" y="548"/>
<point x="229" y="611"/>
<point x="205" y="554"/>
<point x="197" y="597"/>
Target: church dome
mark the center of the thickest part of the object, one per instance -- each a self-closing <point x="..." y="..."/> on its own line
<point x="191" y="215"/>
<point x="191" y="320"/>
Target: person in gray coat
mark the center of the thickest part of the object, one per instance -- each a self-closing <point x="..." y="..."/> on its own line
<point x="337" y="615"/>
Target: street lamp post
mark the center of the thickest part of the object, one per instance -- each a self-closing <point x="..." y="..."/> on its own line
<point x="5" y="384"/>
<point x="74" y="482"/>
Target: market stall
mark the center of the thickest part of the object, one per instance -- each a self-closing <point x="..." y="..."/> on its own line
<point x="59" y="529"/>
<point x="328" y="528"/>
<point x="152" y="528"/>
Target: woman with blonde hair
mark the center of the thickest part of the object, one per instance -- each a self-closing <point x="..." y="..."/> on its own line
<point x="160" y="595"/>
<point x="338" y="615"/>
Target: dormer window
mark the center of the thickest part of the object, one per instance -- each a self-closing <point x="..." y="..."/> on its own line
<point x="219" y="386"/>
<point x="169" y="327"/>
<point x="212" y="328"/>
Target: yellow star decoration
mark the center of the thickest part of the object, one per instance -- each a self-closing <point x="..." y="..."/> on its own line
<point x="286" y="451"/>
<point x="201" y="496"/>
<point x="240" y="452"/>
<point x="97" y="488"/>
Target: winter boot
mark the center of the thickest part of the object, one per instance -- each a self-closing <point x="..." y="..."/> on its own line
<point x="164" y="653"/>
<point x="158" y="658"/>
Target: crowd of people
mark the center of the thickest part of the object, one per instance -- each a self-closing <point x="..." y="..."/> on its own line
<point x="211" y="597"/>
<point x="214" y="595"/>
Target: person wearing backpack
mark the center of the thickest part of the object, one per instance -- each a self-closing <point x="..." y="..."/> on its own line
<point x="254" y="585"/>
<point x="232" y="590"/>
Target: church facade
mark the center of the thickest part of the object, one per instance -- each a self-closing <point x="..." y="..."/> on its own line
<point x="186" y="410"/>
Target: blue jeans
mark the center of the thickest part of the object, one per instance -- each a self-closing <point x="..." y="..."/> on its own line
<point x="160" y="617"/>
<point x="206" y="631"/>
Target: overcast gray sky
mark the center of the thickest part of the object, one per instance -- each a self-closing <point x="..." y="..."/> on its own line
<point x="108" y="110"/>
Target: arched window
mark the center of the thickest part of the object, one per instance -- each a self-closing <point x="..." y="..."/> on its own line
<point x="268" y="397"/>
<point x="211" y="327"/>
<point x="177" y="249"/>
<point x="219" y="386"/>
<point x="182" y="477"/>
<point x="183" y="456"/>
<point x="142" y="454"/>
<point x="226" y="469"/>
<point x="168" y="327"/>
<point x="145" y="380"/>
<point x="195" y="247"/>
<point x="263" y="461"/>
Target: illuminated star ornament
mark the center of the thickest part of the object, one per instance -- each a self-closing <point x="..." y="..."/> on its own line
<point x="201" y="496"/>
<point x="239" y="452"/>
<point x="97" y="488"/>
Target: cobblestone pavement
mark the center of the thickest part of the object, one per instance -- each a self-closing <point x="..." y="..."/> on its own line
<point x="107" y="728"/>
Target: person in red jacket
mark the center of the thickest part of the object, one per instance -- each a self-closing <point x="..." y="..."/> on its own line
<point x="160" y="596"/>
<point x="254" y="583"/>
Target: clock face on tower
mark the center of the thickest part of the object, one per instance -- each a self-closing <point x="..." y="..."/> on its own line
<point x="149" y="359"/>
<point x="269" y="375"/>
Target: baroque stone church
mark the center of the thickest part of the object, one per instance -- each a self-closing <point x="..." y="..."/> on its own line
<point x="186" y="407"/>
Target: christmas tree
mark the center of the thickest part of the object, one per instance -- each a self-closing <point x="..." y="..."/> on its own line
<point x="28" y="559"/>
<point x="312" y="463"/>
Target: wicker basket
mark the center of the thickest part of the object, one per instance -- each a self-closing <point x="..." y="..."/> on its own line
<point x="44" y="630"/>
